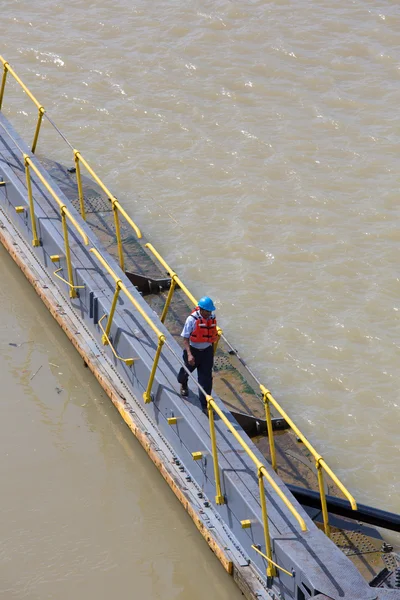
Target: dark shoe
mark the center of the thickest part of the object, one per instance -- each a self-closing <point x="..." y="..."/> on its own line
<point x="184" y="391"/>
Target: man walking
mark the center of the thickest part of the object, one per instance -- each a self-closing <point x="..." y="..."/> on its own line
<point x="199" y="335"/>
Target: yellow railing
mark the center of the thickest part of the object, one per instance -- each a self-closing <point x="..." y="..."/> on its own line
<point x="320" y="463"/>
<point x="64" y="212"/>
<point x="261" y="473"/>
<point x="78" y="159"/>
<point x="161" y="337"/>
<point x="175" y="281"/>
<point x="8" y="69"/>
<point x="267" y="398"/>
<point x="212" y="408"/>
<point x="116" y="206"/>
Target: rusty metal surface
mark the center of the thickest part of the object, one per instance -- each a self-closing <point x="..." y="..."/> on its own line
<point x="365" y="552"/>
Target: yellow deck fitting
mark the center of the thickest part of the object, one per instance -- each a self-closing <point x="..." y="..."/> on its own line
<point x="245" y="524"/>
<point x="55" y="257"/>
<point x="171" y="420"/>
<point x="197" y="455"/>
<point x="19" y="209"/>
<point x="2" y="183"/>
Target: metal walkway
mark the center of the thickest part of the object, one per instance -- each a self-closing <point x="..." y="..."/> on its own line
<point x="246" y="512"/>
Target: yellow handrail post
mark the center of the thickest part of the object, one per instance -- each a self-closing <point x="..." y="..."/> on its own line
<point x="127" y="217"/>
<point x="127" y="293"/>
<point x="115" y="206"/>
<point x="219" y="499"/>
<point x="318" y="458"/>
<point x="271" y="572"/>
<point x="39" y="123"/>
<point x="259" y="465"/>
<point x="340" y="485"/>
<point x="35" y="240"/>
<point x="79" y="183"/>
<point x="3" y="83"/>
<point x="106" y="333"/>
<point x="324" y="507"/>
<point x="215" y="345"/>
<point x="147" y="393"/>
<point x="118" y="234"/>
<point x="169" y="298"/>
<point x="72" y="290"/>
<point x="57" y="199"/>
<point x="271" y="438"/>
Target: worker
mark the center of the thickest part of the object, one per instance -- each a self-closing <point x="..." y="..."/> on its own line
<point x="199" y="335"/>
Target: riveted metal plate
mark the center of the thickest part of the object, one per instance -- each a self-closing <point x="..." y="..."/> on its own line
<point x="353" y="543"/>
<point x="365" y="552"/>
<point x="94" y="202"/>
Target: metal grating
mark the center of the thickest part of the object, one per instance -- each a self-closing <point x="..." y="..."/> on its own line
<point x="222" y="362"/>
<point x="94" y="203"/>
<point x="390" y="561"/>
<point x="353" y="543"/>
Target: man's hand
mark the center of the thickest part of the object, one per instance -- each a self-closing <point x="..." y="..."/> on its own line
<point x="190" y="356"/>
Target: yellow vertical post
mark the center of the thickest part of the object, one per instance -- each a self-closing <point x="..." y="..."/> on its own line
<point x="169" y="298"/>
<point x="147" y="393"/>
<point x="105" y="336"/>
<point x="3" y="83"/>
<point x="35" y="240"/>
<point x="271" y="438"/>
<point x="118" y="235"/>
<point x="271" y="572"/>
<point x="219" y="499"/>
<point x="215" y="345"/>
<point x="324" y="507"/>
<point x="72" y="290"/>
<point x="79" y="183"/>
<point x="39" y="122"/>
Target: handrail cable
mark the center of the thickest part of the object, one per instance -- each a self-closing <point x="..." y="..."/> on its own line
<point x="60" y="133"/>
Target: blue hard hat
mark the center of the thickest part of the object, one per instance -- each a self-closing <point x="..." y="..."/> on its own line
<point x="206" y="303"/>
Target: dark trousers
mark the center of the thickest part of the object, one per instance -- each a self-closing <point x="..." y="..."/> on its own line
<point x="204" y="360"/>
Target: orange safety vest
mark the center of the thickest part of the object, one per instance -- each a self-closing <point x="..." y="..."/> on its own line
<point x="205" y="330"/>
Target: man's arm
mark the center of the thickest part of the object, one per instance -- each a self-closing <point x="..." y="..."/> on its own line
<point x="186" y="345"/>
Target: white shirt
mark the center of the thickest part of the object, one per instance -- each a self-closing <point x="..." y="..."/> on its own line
<point x="188" y="328"/>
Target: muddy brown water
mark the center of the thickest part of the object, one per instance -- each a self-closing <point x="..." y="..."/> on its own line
<point x="256" y="144"/>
